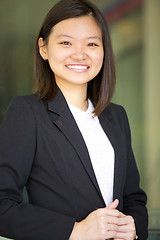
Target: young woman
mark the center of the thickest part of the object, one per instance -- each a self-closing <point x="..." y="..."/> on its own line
<point x="67" y="143"/>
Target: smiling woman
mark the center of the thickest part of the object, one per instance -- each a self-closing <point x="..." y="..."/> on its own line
<point x="67" y="143"/>
<point x="74" y="51"/>
<point x="101" y="90"/>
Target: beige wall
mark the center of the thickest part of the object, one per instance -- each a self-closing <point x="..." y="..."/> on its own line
<point x="136" y="42"/>
<point x="152" y="100"/>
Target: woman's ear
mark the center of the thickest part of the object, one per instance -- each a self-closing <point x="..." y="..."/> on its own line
<point x="42" y="49"/>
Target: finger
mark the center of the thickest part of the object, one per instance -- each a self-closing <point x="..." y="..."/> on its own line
<point x="112" y="220"/>
<point x="111" y="227"/>
<point x="111" y="235"/>
<point x="110" y="212"/>
<point x="121" y="214"/>
<point x="114" y="204"/>
<point x="125" y="228"/>
<point x="126" y="220"/>
<point x="124" y="236"/>
<point x="128" y="228"/>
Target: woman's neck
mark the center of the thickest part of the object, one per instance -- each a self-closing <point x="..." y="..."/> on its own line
<point x="76" y="96"/>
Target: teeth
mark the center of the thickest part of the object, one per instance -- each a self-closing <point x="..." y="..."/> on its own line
<point x="77" y="67"/>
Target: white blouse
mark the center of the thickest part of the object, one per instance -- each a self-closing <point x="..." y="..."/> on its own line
<point x="99" y="147"/>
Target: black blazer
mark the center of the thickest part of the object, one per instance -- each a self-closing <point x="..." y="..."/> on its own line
<point x="42" y="148"/>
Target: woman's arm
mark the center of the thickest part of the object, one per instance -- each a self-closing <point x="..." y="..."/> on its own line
<point x="20" y="220"/>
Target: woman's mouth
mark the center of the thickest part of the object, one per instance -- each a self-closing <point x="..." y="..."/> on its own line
<point x="77" y="67"/>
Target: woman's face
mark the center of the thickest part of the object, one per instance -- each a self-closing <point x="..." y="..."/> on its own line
<point x="74" y="51"/>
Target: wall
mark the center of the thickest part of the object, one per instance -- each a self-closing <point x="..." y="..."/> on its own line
<point x="136" y="43"/>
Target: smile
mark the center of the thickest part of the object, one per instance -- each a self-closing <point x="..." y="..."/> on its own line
<point x="77" y="67"/>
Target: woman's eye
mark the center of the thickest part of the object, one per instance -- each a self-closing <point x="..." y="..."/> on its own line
<point x="92" y="44"/>
<point x="66" y="43"/>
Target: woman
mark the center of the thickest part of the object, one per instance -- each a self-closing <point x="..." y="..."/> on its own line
<point x="68" y="144"/>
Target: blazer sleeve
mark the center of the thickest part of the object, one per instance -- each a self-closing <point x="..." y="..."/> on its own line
<point x="19" y="220"/>
<point x="134" y="198"/>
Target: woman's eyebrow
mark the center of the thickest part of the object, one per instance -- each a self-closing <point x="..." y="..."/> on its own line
<point x="95" y="37"/>
<point x="64" y="35"/>
<point x="68" y="36"/>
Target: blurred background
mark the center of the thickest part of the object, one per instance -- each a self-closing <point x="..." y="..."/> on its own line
<point x="135" y="32"/>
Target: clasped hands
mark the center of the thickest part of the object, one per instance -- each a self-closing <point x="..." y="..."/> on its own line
<point x="105" y="223"/>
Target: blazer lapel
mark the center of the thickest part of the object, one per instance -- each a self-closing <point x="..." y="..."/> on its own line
<point x="63" y="119"/>
<point x="116" y="138"/>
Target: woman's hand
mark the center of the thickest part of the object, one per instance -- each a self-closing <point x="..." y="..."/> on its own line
<point x="101" y="224"/>
<point x="126" y="228"/>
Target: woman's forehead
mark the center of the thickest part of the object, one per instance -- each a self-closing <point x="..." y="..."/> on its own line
<point x="84" y="25"/>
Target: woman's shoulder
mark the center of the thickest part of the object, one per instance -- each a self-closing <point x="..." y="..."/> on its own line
<point x="115" y="109"/>
<point x="31" y="100"/>
<point x="117" y="114"/>
<point x="25" y="106"/>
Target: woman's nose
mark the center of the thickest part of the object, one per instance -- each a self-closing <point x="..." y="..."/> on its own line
<point x="79" y="54"/>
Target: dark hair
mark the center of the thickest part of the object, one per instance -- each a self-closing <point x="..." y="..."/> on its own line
<point x="101" y="88"/>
